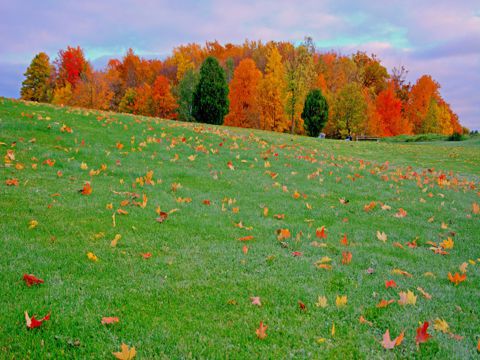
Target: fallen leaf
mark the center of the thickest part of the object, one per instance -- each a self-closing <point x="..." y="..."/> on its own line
<point x="246" y="238"/>
<point x="381" y="236"/>
<point x="109" y="320"/>
<point x="115" y="240"/>
<point x="422" y="335"/>
<point x="407" y="298"/>
<point x="362" y="320"/>
<point x="34" y="323"/>
<point x="341" y="301"/>
<point x="256" y="300"/>
<point x="390" y="283"/>
<point x="92" y="256"/>
<point x="31" y="279"/>
<point x="401" y="213"/>
<point x="320" y="233"/>
<point x="261" y="331"/>
<point x="447" y="243"/>
<point x="126" y="353"/>
<point x="424" y="293"/>
<point x="87" y="189"/>
<point x="387" y="343"/>
<point x="322" y="302"/>
<point x="163" y="216"/>
<point x="346" y="257"/>
<point x="440" y="325"/>
<point x="457" y="278"/>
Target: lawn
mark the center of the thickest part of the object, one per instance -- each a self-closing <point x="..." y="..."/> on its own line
<point x="198" y="209"/>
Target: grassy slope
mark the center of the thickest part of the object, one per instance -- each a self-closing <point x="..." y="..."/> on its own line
<point x="176" y="304"/>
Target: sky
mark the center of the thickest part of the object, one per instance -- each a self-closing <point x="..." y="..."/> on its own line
<point x="436" y="37"/>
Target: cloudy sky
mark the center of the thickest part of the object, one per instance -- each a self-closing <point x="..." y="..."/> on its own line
<point x="436" y="37"/>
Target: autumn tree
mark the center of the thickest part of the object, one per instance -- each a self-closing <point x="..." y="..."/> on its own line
<point x="37" y="83"/>
<point x="210" y="99"/>
<point x="92" y="91"/>
<point x="420" y="101"/>
<point x="127" y="104"/>
<point x="389" y="109"/>
<point x="164" y="104"/>
<point x="62" y="95"/>
<point x="272" y="94"/>
<point x="371" y="74"/>
<point x="315" y="113"/>
<point x="114" y="81"/>
<point x="349" y="111"/>
<point x="71" y="64"/>
<point x="185" y="90"/>
<point x="243" y="96"/>
<point x="143" y="101"/>
<point x="300" y="75"/>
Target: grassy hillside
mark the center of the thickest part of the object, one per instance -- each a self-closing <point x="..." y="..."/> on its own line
<point x="192" y="297"/>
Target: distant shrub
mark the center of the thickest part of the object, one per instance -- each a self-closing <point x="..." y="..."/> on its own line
<point x="456" y="137"/>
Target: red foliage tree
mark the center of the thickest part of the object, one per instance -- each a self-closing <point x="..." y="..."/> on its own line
<point x="389" y="109"/>
<point x="71" y="64"/>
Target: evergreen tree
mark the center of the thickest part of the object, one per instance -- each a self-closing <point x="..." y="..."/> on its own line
<point x="185" y="90"/>
<point x="315" y="112"/>
<point x="210" y="99"/>
<point x="36" y="86"/>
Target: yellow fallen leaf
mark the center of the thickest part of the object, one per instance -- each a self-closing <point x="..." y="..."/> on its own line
<point x="341" y="300"/>
<point x="407" y="298"/>
<point x="440" y="325"/>
<point x="115" y="240"/>
<point x="32" y="224"/>
<point x="322" y="302"/>
<point x="447" y="244"/>
<point x="92" y="256"/>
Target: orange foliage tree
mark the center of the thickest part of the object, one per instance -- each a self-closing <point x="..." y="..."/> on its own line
<point x="420" y="100"/>
<point x="164" y="104"/>
<point x="244" y="97"/>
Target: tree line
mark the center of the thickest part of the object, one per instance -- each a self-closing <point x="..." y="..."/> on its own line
<point x="275" y="86"/>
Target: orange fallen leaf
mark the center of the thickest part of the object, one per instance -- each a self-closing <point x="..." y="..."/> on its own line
<point x="261" y="331"/>
<point x="126" y="353"/>
<point x="11" y="182"/>
<point x="401" y="213"/>
<point x="87" y="189"/>
<point x="109" y="320"/>
<point x="387" y="343"/>
<point x="457" y="278"/>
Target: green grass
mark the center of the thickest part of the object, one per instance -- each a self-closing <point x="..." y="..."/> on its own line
<point x="191" y="299"/>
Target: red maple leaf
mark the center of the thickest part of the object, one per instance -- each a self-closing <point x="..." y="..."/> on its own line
<point x="34" y="323"/>
<point x="390" y="283"/>
<point x="422" y="335"/>
<point x="31" y="279"/>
